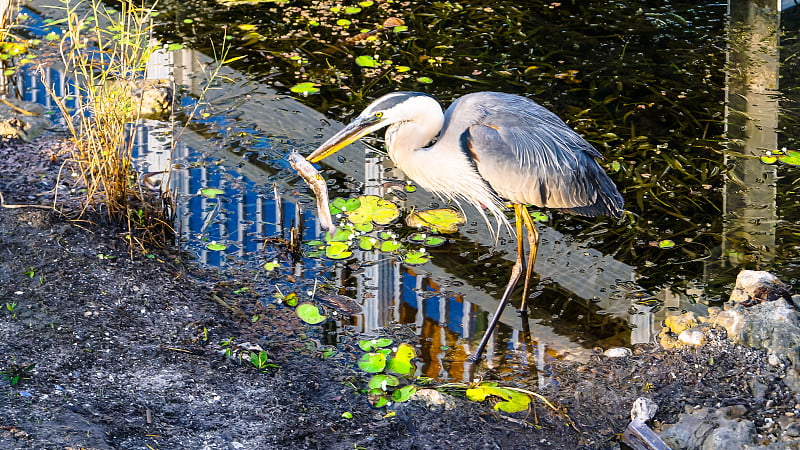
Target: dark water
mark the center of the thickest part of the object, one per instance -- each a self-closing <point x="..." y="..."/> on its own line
<point x="681" y="99"/>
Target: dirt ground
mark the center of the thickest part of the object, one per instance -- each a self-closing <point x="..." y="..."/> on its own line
<point x="126" y="354"/>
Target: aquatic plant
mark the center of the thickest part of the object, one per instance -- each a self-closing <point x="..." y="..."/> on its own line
<point x="359" y="216"/>
<point x="105" y="51"/>
<point x="387" y="366"/>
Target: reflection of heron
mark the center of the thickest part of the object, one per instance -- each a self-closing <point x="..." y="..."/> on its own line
<point x="491" y="148"/>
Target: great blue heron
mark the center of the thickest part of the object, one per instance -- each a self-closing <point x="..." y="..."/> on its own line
<point x="490" y="148"/>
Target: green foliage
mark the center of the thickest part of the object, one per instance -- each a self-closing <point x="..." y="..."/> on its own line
<point x="443" y="220"/>
<point x="386" y="365"/>
<point x="309" y="313"/>
<point x="260" y="360"/>
<point x="216" y="246"/>
<point x="512" y="401"/>
<point x="15" y="373"/>
<point x="211" y="192"/>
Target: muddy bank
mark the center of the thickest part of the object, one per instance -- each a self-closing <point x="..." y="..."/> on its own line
<point x="126" y="353"/>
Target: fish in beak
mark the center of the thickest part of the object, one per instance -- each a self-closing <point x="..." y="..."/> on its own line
<point x="357" y="129"/>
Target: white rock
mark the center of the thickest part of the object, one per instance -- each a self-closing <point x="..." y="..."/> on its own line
<point x="617" y="352"/>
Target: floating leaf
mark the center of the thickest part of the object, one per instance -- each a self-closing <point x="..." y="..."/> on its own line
<point x="389" y="246"/>
<point x="309" y="313"/>
<point x="372" y="362"/>
<point x="400" y="28"/>
<point x="271" y="265"/>
<point x="366" y="61"/>
<point x="402" y="69"/>
<point x="305" y="88"/>
<point x="377" y="398"/>
<point x="666" y="243"/>
<point x="347" y="415"/>
<point x="352" y="10"/>
<point x="383" y="381"/>
<point x="367" y="243"/>
<point x="343" y="22"/>
<point x="401" y="363"/>
<point x="791" y="157"/>
<point x="416" y="257"/>
<point x="338" y="250"/>
<point x="443" y="220"/>
<point x="339" y="204"/>
<point x="769" y="159"/>
<point x="539" y="216"/>
<point x="341" y="234"/>
<point x="374" y="209"/>
<point x="373" y="344"/>
<point x="216" y="246"/>
<point x="364" y="227"/>
<point x="211" y="192"/>
<point x="513" y="401"/>
<point x="404" y="393"/>
<point x="425" y="80"/>
<point x="290" y="299"/>
<point x="174" y="47"/>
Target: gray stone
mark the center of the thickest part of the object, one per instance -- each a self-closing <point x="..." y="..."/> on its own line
<point x="710" y="430"/>
<point x="22" y="120"/>
<point x="755" y="286"/>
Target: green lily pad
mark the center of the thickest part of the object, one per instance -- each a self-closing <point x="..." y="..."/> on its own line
<point x="416" y="257"/>
<point x="290" y="299"/>
<point x="364" y="227"/>
<point x="352" y="10"/>
<point x="309" y="313"/>
<point x="367" y="243"/>
<point x="383" y="381"/>
<point x="367" y="61"/>
<point x="369" y="345"/>
<point x="216" y="246"/>
<point x="513" y="401"/>
<point x="377" y="398"/>
<point x="425" y="80"/>
<point x="539" y="216"/>
<point x="271" y="265"/>
<point x="401" y="363"/>
<point x="791" y="157"/>
<point x="769" y="159"/>
<point x="342" y="234"/>
<point x="305" y="88"/>
<point x="389" y="246"/>
<point x="343" y="23"/>
<point x="339" y="204"/>
<point x="666" y="243"/>
<point x="338" y="250"/>
<point x="404" y="393"/>
<point x="372" y="362"/>
<point x="211" y="192"/>
<point x="374" y="209"/>
<point x="444" y="220"/>
<point x="430" y="241"/>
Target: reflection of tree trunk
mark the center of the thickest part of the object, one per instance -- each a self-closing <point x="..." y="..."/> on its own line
<point x="752" y="121"/>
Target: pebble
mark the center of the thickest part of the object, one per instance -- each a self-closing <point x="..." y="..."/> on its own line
<point x="693" y="336"/>
<point x="617" y="352"/>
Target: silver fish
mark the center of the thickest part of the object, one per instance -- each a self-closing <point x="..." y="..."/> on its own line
<point x="318" y="185"/>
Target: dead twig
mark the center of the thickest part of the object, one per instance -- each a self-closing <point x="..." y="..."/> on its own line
<point x="4" y="205"/>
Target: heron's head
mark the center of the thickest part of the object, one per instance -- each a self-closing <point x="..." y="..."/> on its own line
<point x="387" y="110"/>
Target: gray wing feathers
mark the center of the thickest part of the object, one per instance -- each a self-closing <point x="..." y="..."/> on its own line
<point x="528" y="155"/>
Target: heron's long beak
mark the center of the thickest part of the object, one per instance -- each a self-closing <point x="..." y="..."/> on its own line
<point x="354" y="131"/>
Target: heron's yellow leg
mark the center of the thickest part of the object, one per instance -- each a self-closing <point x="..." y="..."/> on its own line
<point x="533" y="248"/>
<point x="516" y="271"/>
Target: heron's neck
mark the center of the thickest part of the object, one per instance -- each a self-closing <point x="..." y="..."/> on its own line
<point x="411" y="135"/>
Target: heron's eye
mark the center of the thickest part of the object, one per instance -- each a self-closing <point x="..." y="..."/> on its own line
<point x="379" y="114"/>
